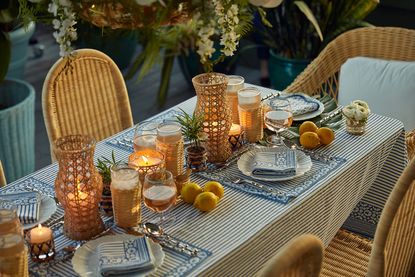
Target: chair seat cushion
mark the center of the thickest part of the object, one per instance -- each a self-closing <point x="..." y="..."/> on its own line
<point x="387" y="86"/>
<point x="347" y="255"/>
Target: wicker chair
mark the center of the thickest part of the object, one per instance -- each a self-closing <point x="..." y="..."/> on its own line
<point x="301" y="256"/>
<point x="392" y="253"/>
<point x="322" y="74"/>
<point x="90" y="98"/>
<point x="2" y="176"/>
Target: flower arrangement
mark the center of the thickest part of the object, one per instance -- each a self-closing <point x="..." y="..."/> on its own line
<point x="357" y="110"/>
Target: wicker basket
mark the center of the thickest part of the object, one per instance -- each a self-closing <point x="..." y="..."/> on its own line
<point x="127" y="14"/>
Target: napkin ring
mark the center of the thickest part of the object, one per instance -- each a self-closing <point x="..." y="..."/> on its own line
<point x="41" y="252"/>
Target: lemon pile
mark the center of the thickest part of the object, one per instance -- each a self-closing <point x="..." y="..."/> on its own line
<point x="311" y="136"/>
<point x="204" y="199"/>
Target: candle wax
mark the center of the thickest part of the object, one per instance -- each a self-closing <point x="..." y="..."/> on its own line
<point x="235" y="130"/>
<point x="40" y="234"/>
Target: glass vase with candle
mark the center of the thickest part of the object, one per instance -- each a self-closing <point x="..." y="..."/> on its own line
<point x="211" y="102"/>
<point x="250" y="113"/>
<point x="235" y="83"/>
<point x="13" y="252"/>
<point x="236" y="136"/>
<point x="146" y="161"/>
<point x="170" y="142"/>
<point x="126" y="195"/>
<point x="78" y="186"/>
<point x="41" y="243"/>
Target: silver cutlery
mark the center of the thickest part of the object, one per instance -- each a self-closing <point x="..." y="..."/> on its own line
<point x="313" y="154"/>
<point x="272" y="191"/>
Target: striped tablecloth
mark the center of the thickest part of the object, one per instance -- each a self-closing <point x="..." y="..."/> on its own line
<point x="245" y="230"/>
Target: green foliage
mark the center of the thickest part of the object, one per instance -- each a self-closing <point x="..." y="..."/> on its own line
<point x="192" y="126"/>
<point x="292" y="35"/>
<point x="104" y="167"/>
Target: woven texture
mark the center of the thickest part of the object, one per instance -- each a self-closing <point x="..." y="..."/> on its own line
<point x="252" y="121"/>
<point x="211" y="102"/>
<point x="2" y="176"/>
<point x="321" y="75"/>
<point x="410" y="144"/>
<point x="88" y="98"/>
<point x="126" y="206"/>
<point x="393" y="249"/>
<point x="174" y="156"/>
<point x="78" y="186"/>
<point x="301" y="256"/>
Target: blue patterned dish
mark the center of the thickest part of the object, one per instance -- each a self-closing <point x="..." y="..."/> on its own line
<point x="303" y="106"/>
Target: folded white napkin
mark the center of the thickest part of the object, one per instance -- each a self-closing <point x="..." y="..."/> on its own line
<point x="121" y="257"/>
<point x="27" y="204"/>
<point x="301" y="104"/>
<point x="278" y="163"/>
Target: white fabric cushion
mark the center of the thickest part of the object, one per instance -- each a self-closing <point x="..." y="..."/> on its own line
<point x="387" y="86"/>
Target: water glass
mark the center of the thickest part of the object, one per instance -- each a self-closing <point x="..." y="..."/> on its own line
<point x="278" y="119"/>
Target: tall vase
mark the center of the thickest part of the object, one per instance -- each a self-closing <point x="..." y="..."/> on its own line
<point x="211" y="102"/>
<point x="78" y="186"/>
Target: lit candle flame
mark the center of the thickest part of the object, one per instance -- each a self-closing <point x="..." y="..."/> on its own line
<point x="145" y="159"/>
<point x="39" y="226"/>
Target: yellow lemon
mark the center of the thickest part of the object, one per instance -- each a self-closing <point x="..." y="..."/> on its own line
<point x="309" y="140"/>
<point x="307" y="126"/>
<point x="326" y="135"/>
<point x="206" y="201"/>
<point x="214" y="187"/>
<point x="190" y="191"/>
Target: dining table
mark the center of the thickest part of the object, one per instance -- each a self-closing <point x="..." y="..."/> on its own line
<point x="250" y="225"/>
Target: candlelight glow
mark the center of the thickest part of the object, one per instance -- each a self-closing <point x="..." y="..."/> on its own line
<point x="145" y="159"/>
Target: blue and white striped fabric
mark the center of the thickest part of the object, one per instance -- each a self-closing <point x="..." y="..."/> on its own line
<point x="27" y="205"/>
<point x="244" y="230"/>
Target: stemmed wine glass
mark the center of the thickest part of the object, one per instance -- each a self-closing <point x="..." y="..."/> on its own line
<point x="159" y="193"/>
<point x="278" y="119"/>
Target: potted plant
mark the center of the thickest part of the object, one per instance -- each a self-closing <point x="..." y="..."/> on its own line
<point x="192" y="130"/>
<point x="296" y="32"/>
<point x="17" y="98"/>
<point x="104" y="168"/>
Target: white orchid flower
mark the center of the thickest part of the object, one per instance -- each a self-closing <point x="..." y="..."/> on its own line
<point x="266" y="3"/>
<point x="35" y="1"/>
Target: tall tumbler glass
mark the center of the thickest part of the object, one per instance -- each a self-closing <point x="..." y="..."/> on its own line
<point x="235" y="83"/>
<point x="250" y="113"/>
<point x="126" y="196"/>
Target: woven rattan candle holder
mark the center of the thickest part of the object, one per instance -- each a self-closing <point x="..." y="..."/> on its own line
<point x="78" y="186"/>
<point x="236" y="139"/>
<point x="211" y="103"/>
<point x="234" y="85"/>
<point x="250" y="113"/>
<point x="146" y="161"/>
<point x="41" y="252"/>
<point x="170" y="142"/>
<point x="126" y="196"/>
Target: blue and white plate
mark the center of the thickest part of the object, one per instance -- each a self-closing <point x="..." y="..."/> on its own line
<point x="302" y="101"/>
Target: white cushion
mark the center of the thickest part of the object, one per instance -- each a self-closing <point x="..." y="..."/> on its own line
<point x="387" y="86"/>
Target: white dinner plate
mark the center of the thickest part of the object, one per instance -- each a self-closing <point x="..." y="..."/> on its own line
<point x="310" y="115"/>
<point x="85" y="260"/>
<point x="46" y="210"/>
<point x="246" y="161"/>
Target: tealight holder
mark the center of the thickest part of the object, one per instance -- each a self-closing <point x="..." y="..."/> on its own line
<point x="41" y="252"/>
<point x="146" y="161"/>
<point x="236" y="140"/>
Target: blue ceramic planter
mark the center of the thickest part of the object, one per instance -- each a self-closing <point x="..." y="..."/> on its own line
<point x="19" y="43"/>
<point x="283" y="71"/>
<point x="17" y="128"/>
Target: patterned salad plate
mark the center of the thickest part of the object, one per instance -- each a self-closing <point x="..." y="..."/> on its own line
<point x="306" y="106"/>
<point x="85" y="260"/>
<point x="47" y="209"/>
<point x="246" y="161"/>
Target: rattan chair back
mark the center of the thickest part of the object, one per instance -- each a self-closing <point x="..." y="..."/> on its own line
<point x="302" y="256"/>
<point x="89" y="98"/>
<point x="321" y="75"/>
<point x="393" y="252"/>
<point x="2" y="176"/>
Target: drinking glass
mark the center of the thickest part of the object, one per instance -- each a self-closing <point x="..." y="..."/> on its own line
<point x="145" y="135"/>
<point x="278" y="119"/>
<point x="159" y="193"/>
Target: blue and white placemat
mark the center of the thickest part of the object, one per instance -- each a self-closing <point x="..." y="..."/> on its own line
<point x="124" y="140"/>
<point x="289" y="189"/>
<point x="175" y="263"/>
